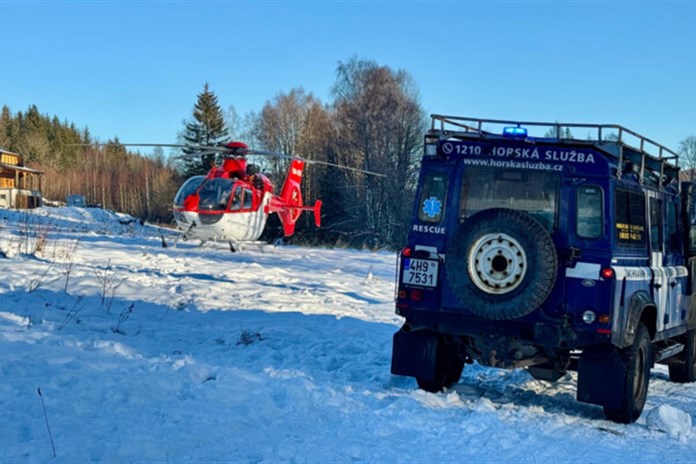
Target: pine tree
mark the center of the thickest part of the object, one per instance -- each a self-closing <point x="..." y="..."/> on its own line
<point x="208" y="128"/>
<point x="5" y="127"/>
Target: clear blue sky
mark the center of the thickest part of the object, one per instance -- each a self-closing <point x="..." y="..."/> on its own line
<point x="133" y="69"/>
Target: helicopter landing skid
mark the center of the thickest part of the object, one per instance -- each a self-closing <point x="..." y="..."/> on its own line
<point x="236" y="246"/>
<point x="184" y="236"/>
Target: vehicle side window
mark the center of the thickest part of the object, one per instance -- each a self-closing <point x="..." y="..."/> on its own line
<point x="247" y="199"/>
<point x="656" y="225"/>
<point x="630" y="218"/>
<point x="590" y="214"/>
<point x="433" y="196"/>
<point x="673" y="236"/>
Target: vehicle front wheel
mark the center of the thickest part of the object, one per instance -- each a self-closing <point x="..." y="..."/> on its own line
<point x="637" y="359"/>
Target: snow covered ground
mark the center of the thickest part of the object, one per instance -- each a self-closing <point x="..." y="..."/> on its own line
<point x="144" y="353"/>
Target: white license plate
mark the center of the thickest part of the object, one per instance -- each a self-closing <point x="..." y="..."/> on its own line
<point x="421" y="272"/>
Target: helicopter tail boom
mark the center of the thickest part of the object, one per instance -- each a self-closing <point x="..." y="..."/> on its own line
<point x="290" y="193"/>
<point x="289" y="204"/>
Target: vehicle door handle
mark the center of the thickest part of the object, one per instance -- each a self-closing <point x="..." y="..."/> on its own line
<point x="673" y="283"/>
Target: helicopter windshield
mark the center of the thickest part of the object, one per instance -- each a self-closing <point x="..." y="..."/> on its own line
<point x="215" y="194"/>
<point x="187" y="189"/>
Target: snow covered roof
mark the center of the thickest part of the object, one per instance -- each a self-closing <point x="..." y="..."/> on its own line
<point x="20" y="168"/>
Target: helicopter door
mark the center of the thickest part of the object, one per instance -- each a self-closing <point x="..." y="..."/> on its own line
<point x="251" y="220"/>
<point x="236" y="203"/>
<point x="256" y="217"/>
<point x="248" y="200"/>
<point x="244" y="223"/>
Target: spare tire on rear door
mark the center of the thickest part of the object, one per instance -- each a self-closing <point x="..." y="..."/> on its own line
<point x="501" y="264"/>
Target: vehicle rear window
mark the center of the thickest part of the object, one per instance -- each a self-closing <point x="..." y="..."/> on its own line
<point x="534" y="192"/>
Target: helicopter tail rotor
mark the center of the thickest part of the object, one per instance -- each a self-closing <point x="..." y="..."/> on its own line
<point x="317" y="213"/>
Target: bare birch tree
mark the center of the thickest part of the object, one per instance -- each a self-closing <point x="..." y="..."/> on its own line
<point x="687" y="152"/>
<point x="379" y="126"/>
<point x="295" y="124"/>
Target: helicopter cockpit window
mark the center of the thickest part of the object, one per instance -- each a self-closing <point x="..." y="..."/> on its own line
<point x="236" y="199"/>
<point x="189" y="187"/>
<point x="247" y="199"/>
<point x="215" y="194"/>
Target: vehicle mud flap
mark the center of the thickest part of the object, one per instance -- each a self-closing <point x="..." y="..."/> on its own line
<point x="600" y="373"/>
<point x="414" y="354"/>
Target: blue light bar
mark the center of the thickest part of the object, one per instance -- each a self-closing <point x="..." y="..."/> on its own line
<point x="520" y="132"/>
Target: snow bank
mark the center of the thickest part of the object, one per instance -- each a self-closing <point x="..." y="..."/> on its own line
<point x="71" y="219"/>
<point x="668" y="419"/>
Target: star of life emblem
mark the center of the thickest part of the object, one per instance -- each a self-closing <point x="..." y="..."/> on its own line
<point x="432" y="207"/>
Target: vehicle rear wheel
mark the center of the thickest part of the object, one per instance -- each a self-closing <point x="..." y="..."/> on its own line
<point x="637" y="359"/>
<point x="448" y="369"/>
<point x="682" y="368"/>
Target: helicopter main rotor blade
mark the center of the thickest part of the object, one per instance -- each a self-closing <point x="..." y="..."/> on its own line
<point x="340" y="166"/>
<point x="311" y="161"/>
<point x="161" y="145"/>
<point x="237" y="151"/>
<point x="119" y="144"/>
<point x="190" y="156"/>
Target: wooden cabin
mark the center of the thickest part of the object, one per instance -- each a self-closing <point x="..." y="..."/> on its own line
<point x="20" y="186"/>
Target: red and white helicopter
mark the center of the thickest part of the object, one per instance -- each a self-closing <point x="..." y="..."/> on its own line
<point x="233" y="201"/>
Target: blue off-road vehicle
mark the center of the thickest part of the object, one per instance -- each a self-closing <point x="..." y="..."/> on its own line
<point x="571" y="250"/>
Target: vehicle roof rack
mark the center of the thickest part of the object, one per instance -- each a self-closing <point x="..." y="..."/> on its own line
<point x="652" y="159"/>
